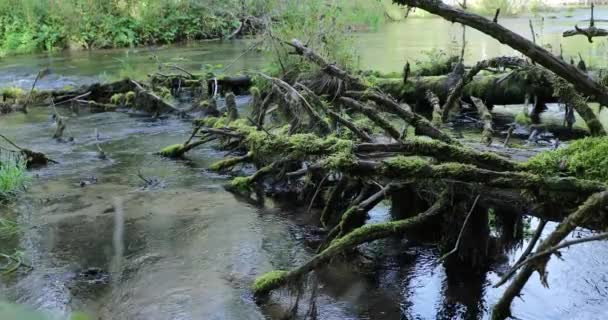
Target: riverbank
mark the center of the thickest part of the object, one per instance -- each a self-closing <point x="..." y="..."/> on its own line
<point x="42" y="25"/>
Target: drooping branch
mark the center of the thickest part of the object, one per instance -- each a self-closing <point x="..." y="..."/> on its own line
<point x="372" y="115"/>
<point x="524" y="255"/>
<point x="422" y="125"/>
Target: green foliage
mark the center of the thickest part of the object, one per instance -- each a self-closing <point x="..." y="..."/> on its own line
<point x="269" y="280"/>
<point x="324" y="26"/>
<point x="172" y="151"/>
<point x="523" y="119"/>
<point x="13" y="176"/>
<point x="11" y="93"/>
<point x="31" y="25"/>
<point x="36" y="25"/>
<point x="117" y="98"/>
<point x="584" y="158"/>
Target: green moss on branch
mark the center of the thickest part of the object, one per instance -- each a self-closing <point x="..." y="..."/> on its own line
<point x="585" y="158"/>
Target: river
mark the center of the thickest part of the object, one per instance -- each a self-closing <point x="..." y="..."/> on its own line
<point x="187" y="249"/>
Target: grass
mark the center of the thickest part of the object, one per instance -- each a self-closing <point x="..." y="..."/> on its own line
<point x="13" y="176"/>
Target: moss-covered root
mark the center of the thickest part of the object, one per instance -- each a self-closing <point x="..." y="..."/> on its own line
<point x="230" y="162"/>
<point x="256" y="102"/>
<point x="276" y="279"/>
<point x="231" y="108"/>
<point x="587" y="210"/>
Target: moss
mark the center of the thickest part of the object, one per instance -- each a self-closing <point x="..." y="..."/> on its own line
<point x="212" y="122"/>
<point x="585" y="158"/>
<point x="229" y="162"/>
<point x="117" y="98"/>
<point x="12" y="93"/>
<point x="129" y="97"/>
<point x="523" y="119"/>
<point x="269" y="280"/>
<point x="241" y="183"/>
<point x="341" y="160"/>
<point x="402" y="163"/>
<point x="172" y="151"/>
<point x="163" y="92"/>
<point x="204" y="104"/>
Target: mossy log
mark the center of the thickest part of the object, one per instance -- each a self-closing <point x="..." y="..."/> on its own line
<point x="494" y="89"/>
<point x="455" y="91"/>
<point x="236" y="84"/>
<point x="273" y="280"/>
<point x="536" y="53"/>
<point x="443" y="152"/>
<point x="413" y="168"/>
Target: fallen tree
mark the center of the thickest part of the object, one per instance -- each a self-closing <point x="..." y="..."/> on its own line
<point x="536" y="53"/>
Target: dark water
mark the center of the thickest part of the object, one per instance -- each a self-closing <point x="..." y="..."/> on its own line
<point x="190" y="250"/>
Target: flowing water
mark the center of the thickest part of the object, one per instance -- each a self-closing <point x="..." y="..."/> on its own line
<point x="183" y="248"/>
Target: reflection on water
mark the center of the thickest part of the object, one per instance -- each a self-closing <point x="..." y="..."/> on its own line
<point x="396" y="43"/>
<point x="190" y="250"/>
<point x="386" y="50"/>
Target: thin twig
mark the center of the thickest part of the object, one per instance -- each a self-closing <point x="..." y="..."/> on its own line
<point x="524" y="255"/>
<point x="601" y="236"/>
<point x="466" y="220"/>
<point x="314" y="197"/>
